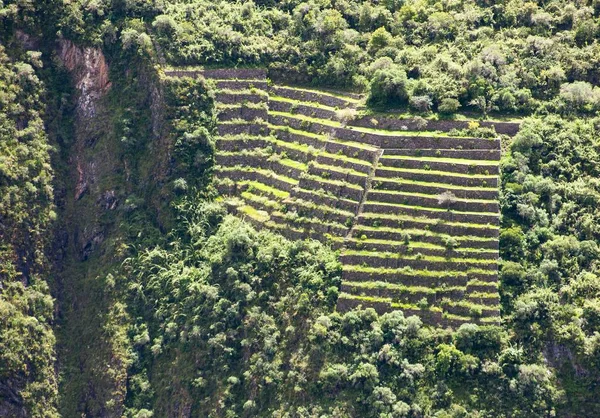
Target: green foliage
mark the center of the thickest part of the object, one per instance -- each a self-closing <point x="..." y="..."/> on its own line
<point x="245" y="319"/>
<point x="191" y="113"/>
<point x="28" y="384"/>
<point x="550" y="247"/>
<point x="389" y="87"/>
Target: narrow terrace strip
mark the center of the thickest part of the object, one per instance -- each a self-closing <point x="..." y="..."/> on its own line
<point x="366" y="216"/>
<point x="426" y="184"/>
<point x="412" y="232"/>
<point x="440" y="172"/>
<point x="382" y="132"/>
<point x="460" y="161"/>
<point x="324" y="138"/>
<point x="431" y="197"/>
<point x="436" y="210"/>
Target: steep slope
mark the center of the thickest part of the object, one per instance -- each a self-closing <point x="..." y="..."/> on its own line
<point x="415" y="213"/>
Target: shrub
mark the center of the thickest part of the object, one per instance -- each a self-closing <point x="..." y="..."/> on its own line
<point x="389" y="86"/>
<point x="345" y="115"/>
<point x="380" y="39"/>
<point x="446" y="199"/>
<point x="448" y="106"/>
<point x="421" y="103"/>
<point x="580" y="95"/>
<point x="180" y="186"/>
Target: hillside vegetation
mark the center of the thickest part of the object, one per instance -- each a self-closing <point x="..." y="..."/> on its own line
<point x="129" y="286"/>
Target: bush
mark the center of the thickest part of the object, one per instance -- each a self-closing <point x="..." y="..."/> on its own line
<point x="421" y="103"/>
<point x="389" y="86"/>
<point x="446" y="199"/>
<point x="448" y="106"/>
<point x="579" y="95"/>
<point x="345" y="115"/>
<point x="380" y="39"/>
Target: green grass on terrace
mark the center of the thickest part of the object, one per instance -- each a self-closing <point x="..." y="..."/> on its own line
<point x="337" y="94"/>
<point x="476" y="282"/>
<point x="431" y="221"/>
<point x="239" y="121"/>
<point x="421" y="232"/>
<point x="422" y="245"/>
<point x="410" y="272"/>
<point x="301" y="102"/>
<point x="384" y="132"/>
<point x="331" y="181"/>
<point x="428" y="258"/>
<point x="249" y="105"/>
<point x="247" y="152"/>
<point x="436" y="172"/>
<point x="468" y="305"/>
<point x="309" y="205"/>
<point x="430" y="209"/>
<point x="266" y="173"/>
<point x="291" y="218"/>
<point x="253" y="213"/>
<point x="461" y="116"/>
<point x="281" y="194"/>
<point x="251" y="197"/>
<point x="250" y="92"/>
<point x="433" y="196"/>
<point x="293" y="164"/>
<point x="323" y="193"/>
<point x="392" y="286"/>
<point x="461" y="161"/>
<point x="281" y="227"/>
<point x="432" y="184"/>
<point x="393" y="305"/>
<point x="402" y="288"/>
<point x="482" y="295"/>
<point x="324" y="138"/>
<point x="343" y="170"/>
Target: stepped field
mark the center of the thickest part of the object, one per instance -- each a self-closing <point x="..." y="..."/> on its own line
<point x="413" y="212"/>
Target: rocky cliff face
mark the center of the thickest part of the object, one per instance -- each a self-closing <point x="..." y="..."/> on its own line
<point x="89" y="356"/>
<point x="112" y="169"/>
<point x="90" y="74"/>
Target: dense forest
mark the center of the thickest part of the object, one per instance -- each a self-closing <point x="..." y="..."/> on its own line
<point x="127" y="289"/>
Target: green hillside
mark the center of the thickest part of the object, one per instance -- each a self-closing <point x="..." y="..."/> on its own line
<point x="322" y="208"/>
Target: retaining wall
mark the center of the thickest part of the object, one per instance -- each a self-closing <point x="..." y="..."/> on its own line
<point x="324" y="99"/>
<point x="508" y="128"/>
<point x="245" y="113"/>
<point x="434" y="190"/>
<point x="439" y="178"/>
<point x="398" y="262"/>
<point x="462" y="168"/>
<point x="474" y="154"/>
<point x="433" y="202"/>
<point x="406" y="279"/>
<point x="454" y="230"/>
<point x="337" y="190"/>
<point x="452" y="216"/>
<point x="254" y="129"/>
<point x="306" y="110"/>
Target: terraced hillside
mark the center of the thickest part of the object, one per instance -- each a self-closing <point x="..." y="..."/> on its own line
<point x="414" y="213"/>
